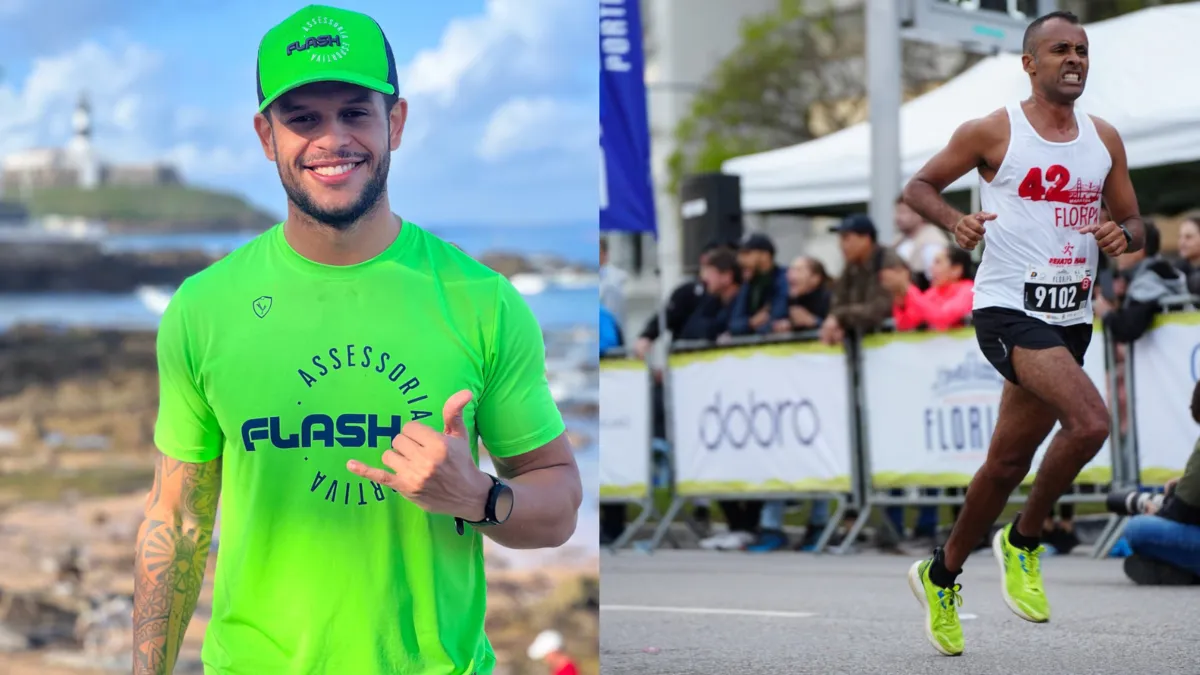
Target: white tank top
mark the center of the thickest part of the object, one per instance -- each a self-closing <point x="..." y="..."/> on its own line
<point x="1034" y="258"/>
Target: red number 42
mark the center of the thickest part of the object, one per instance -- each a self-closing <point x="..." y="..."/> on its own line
<point x="1033" y="187"/>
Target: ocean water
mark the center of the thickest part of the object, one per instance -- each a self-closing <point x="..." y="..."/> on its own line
<point x="577" y="242"/>
<point x="568" y="317"/>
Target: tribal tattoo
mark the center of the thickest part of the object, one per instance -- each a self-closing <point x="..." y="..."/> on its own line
<point x="172" y="551"/>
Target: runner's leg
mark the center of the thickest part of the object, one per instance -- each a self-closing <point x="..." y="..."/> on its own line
<point x="1054" y="376"/>
<point x="1022" y="424"/>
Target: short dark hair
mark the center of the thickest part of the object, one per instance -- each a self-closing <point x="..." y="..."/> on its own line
<point x="1034" y="26"/>
<point x="724" y="260"/>
<point x="1153" y="242"/>
<point x="961" y="258"/>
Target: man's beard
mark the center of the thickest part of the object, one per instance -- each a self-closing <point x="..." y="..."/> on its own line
<point x="342" y="218"/>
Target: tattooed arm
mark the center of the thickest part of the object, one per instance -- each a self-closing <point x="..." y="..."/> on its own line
<point x="172" y="551"/>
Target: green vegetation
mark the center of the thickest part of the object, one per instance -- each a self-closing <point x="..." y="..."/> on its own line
<point x="157" y="206"/>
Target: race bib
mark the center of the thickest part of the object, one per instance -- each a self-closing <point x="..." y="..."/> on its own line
<point x="1058" y="294"/>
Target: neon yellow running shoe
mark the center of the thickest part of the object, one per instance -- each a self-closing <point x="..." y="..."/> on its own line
<point x="941" y="609"/>
<point x="1021" y="578"/>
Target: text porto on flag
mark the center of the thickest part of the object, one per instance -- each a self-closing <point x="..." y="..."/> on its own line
<point x="626" y="188"/>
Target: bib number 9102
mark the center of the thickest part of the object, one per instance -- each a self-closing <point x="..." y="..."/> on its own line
<point x="1057" y="294"/>
<point x="1056" y="299"/>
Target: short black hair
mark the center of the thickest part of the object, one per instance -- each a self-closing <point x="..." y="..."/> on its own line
<point x="1034" y="26"/>
<point x="959" y="257"/>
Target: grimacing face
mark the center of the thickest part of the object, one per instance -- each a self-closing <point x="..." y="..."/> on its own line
<point x="1059" y="63"/>
<point x="332" y="143"/>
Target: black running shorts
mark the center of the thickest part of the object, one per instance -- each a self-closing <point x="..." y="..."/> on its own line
<point x="999" y="330"/>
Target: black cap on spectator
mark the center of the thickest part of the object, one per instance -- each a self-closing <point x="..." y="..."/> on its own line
<point x="756" y="241"/>
<point x="858" y="223"/>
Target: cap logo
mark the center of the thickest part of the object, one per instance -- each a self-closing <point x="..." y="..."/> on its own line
<point x="336" y="38"/>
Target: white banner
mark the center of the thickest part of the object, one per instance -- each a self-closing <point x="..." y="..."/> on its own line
<point x="624" y="429"/>
<point x="1166" y="363"/>
<point x="931" y="402"/>
<point x="761" y="419"/>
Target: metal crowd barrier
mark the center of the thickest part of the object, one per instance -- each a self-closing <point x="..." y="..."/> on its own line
<point x="626" y="466"/>
<point x="797" y="383"/>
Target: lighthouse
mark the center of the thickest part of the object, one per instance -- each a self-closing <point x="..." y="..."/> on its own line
<point x="80" y="150"/>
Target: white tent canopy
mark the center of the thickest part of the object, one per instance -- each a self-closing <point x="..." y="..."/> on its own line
<point x="1143" y="79"/>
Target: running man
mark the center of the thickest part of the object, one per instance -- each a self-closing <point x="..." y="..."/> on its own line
<point x="329" y="381"/>
<point x="1044" y="169"/>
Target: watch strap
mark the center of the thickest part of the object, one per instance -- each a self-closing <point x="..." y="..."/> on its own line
<point x="489" y="509"/>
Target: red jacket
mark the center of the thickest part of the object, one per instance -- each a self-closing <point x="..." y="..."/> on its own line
<point x="567" y="669"/>
<point x="940" y="307"/>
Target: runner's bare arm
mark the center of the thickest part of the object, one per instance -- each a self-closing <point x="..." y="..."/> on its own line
<point x="172" y="551"/>
<point x="966" y="150"/>
<point x="1119" y="196"/>
<point x="547" y="492"/>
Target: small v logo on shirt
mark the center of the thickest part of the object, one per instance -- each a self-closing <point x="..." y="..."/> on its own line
<point x="262" y="305"/>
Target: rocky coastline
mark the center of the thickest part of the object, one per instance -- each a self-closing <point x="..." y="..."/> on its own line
<point x="84" y="266"/>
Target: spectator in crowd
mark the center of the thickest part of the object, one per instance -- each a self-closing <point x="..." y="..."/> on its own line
<point x="612" y="284"/>
<point x="763" y="299"/>
<point x="721" y="274"/>
<point x="918" y="242"/>
<point x="547" y="647"/>
<point x="681" y="304"/>
<point x="809" y="296"/>
<point x="1165" y="541"/>
<point x="859" y="300"/>
<point x="945" y="304"/>
<point x="722" y="279"/>
<point x="1148" y="278"/>
<point x="1189" y="251"/>
<point x="610" y="331"/>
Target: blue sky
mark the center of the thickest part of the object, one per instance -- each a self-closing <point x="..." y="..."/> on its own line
<point x="503" y="97"/>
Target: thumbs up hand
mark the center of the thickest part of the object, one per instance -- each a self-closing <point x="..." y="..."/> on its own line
<point x="434" y="471"/>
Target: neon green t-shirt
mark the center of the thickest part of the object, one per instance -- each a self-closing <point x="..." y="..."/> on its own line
<point x="286" y="368"/>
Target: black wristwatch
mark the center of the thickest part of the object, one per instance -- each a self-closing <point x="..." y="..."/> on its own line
<point x="1128" y="237"/>
<point x="496" y="510"/>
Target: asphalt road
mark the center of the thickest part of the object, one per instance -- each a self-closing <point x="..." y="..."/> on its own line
<point x="726" y="613"/>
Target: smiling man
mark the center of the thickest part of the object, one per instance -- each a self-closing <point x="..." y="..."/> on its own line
<point x="330" y="382"/>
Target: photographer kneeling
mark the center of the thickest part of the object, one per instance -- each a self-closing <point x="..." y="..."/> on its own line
<point x="1166" y="540"/>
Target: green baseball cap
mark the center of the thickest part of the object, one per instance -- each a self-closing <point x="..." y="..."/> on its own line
<point x="324" y="44"/>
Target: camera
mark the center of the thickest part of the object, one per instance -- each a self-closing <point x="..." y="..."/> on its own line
<point x="1132" y="503"/>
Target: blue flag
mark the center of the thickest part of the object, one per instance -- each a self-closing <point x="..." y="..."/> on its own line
<point x="626" y="188"/>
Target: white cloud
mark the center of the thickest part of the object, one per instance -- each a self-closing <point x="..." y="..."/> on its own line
<point x="525" y="125"/>
<point x="41" y="110"/>
<point x="516" y="36"/>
